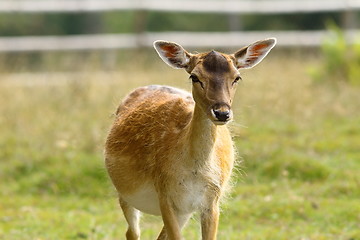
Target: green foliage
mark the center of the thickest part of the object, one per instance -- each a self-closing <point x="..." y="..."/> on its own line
<point x="341" y="59"/>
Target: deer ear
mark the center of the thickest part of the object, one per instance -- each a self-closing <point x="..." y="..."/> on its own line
<point x="253" y="54"/>
<point x="172" y="54"/>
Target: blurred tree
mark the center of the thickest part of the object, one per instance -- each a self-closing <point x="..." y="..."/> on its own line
<point x="162" y="21"/>
<point x="118" y="22"/>
<point x="50" y="24"/>
<point x="12" y="24"/>
<point x="310" y="21"/>
<point x="341" y="59"/>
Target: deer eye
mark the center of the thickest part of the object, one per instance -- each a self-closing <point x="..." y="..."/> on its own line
<point x="238" y="78"/>
<point x="195" y="79"/>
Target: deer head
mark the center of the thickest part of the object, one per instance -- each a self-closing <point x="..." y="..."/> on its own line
<point x="214" y="74"/>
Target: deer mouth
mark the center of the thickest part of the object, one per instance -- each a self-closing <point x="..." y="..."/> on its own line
<point x="220" y="122"/>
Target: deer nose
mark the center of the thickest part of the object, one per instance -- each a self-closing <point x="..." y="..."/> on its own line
<point x="221" y="112"/>
<point x="222" y="115"/>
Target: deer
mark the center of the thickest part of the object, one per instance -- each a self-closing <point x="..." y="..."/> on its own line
<point x="169" y="152"/>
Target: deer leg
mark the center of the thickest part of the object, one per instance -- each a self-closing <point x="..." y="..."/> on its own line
<point x="182" y="219"/>
<point x="132" y="217"/>
<point x="162" y="235"/>
<point x="210" y="220"/>
<point x="171" y="229"/>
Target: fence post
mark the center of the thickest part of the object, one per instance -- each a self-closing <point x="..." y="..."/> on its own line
<point x="234" y="21"/>
<point x="349" y="19"/>
<point x="140" y="24"/>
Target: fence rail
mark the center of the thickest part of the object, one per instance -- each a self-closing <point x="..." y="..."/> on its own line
<point x="189" y="39"/>
<point x="224" y="6"/>
<point x="144" y="39"/>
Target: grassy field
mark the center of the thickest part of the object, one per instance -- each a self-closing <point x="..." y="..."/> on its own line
<point x="298" y="175"/>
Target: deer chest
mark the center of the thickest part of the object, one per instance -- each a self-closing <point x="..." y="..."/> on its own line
<point x="194" y="190"/>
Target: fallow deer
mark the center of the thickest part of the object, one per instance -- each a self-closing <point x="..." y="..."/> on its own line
<point x="169" y="152"/>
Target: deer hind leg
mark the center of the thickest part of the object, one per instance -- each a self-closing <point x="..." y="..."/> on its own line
<point x="181" y="220"/>
<point x="132" y="217"/>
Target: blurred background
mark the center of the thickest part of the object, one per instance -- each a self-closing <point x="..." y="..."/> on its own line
<point x="65" y="66"/>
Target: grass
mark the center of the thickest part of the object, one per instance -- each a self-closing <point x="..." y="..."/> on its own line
<point x="298" y="144"/>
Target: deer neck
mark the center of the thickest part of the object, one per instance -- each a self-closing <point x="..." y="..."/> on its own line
<point x="201" y="137"/>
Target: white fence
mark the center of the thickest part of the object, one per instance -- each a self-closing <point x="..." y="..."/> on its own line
<point x="219" y="6"/>
<point x="224" y="39"/>
<point x="208" y="40"/>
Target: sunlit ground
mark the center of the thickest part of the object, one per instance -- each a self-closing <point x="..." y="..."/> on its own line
<point x="298" y="151"/>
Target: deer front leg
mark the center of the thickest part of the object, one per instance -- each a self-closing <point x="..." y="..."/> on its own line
<point x="210" y="220"/>
<point x="171" y="228"/>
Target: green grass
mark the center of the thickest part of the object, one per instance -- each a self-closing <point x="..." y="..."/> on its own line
<point x="298" y="149"/>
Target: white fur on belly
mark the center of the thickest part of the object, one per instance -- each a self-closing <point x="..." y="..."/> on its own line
<point x="145" y="200"/>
